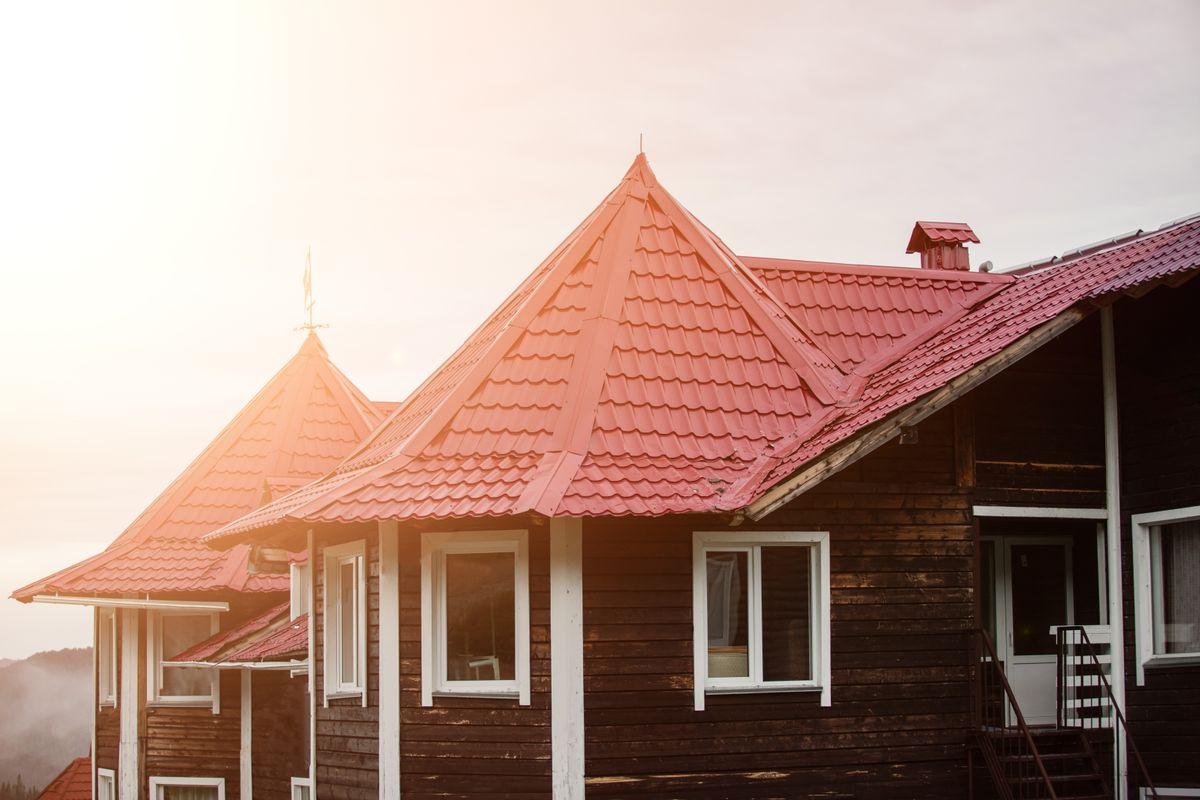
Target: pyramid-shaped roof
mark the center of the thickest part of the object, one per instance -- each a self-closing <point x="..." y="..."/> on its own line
<point x="306" y="419"/>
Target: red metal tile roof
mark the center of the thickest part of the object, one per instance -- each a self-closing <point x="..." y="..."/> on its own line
<point x="73" y="783"/>
<point x="306" y="419"/>
<point x="643" y="368"/>
<point x="269" y="636"/>
<point x="925" y="233"/>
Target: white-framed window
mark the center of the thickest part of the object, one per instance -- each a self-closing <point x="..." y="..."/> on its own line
<point x="475" y="614"/>
<point x="345" y="621"/>
<point x="760" y="613"/>
<point x="1166" y="590"/>
<point x="106" y="656"/>
<point x="168" y="634"/>
<point x="300" y="575"/>
<point x="106" y="784"/>
<point x="172" y="788"/>
<point x="301" y="789"/>
<point x="1168" y="791"/>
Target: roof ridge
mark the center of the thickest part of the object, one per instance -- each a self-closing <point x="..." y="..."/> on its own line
<point x="882" y="270"/>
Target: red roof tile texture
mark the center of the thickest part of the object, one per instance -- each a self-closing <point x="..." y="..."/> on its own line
<point x="73" y="783"/>
<point x="306" y="419"/>
<point x="269" y="636"/>
<point x="643" y="368"/>
<point x="927" y="233"/>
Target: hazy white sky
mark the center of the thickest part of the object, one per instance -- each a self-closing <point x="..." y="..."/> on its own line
<point x="163" y="167"/>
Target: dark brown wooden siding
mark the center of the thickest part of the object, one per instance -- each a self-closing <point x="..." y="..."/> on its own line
<point x="902" y="555"/>
<point x="347" y="731"/>
<point x="1158" y="377"/>
<point x="194" y="742"/>
<point x="468" y="747"/>
<point x="1039" y="426"/>
<point x="279" y="733"/>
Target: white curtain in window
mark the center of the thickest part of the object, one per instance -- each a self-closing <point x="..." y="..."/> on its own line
<point x="1175" y="562"/>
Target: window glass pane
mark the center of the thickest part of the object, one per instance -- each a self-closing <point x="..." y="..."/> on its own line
<point x="105" y="655"/>
<point x="300" y="792"/>
<point x="1039" y="596"/>
<point x="728" y="622"/>
<point x="179" y="632"/>
<point x="347" y="608"/>
<point x="481" y="630"/>
<point x="787" y="613"/>
<point x="1175" y="556"/>
<point x="189" y="793"/>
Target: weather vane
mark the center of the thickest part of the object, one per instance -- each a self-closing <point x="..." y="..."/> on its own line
<point x="309" y="325"/>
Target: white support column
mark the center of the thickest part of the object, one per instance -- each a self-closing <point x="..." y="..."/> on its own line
<point x="1112" y="491"/>
<point x="566" y="658"/>
<point x="389" y="660"/>
<point x="245" y="757"/>
<point x="96" y="629"/>
<point x="312" y="667"/>
<point x="127" y="758"/>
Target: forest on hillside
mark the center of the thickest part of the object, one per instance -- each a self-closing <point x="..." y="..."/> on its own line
<point x="47" y="709"/>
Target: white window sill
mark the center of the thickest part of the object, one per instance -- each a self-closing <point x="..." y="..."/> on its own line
<point x="344" y="695"/>
<point x="108" y="703"/>
<point x="1171" y="660"/>
<point x="761" y="688"/>
<point x="513" y="694"/>
<point x="189" y="702"/>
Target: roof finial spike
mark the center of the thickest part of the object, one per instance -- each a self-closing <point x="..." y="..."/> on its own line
<point x="309" y="325"/>
<point x="641" y="148"/>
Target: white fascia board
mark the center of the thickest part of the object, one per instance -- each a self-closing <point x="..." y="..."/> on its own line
<point x="131" y="602"/>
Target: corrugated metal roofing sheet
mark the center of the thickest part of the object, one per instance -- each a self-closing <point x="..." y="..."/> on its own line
<point x="269" y="636"/>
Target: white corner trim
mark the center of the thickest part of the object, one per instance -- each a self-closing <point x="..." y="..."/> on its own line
<point x="312" y="666"/>
<point x="96" y="628"/>
<point x="566" y="658"/>
<point x="434" y="547"/>
<point x="389" y="660"/>
<point x="822" y="671"/>
<point x="245" y="751"/>
<point x="127" y="754"/>
<point x="159" y="781"/>
<point x="1040" y="512"/>
<point x="1143" y="588"/>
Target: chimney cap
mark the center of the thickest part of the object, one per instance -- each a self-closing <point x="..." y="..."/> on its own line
<point x="927" y="234"/>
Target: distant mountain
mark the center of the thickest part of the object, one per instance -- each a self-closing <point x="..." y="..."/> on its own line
<point x="47" y="702"/>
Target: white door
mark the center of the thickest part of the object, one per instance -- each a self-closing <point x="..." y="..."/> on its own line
<point x="1032" y="594"/>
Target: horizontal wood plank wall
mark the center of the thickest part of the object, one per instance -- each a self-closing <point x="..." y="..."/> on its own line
<point x="1158" y="388"/>
<point x="348" y="732"/>
<point x="194" y="742"/>
<point x="469" y="747"/>
<point x="902" y="553"/>
<point x="1039" y="426"/>
<point x="279" y="734"/>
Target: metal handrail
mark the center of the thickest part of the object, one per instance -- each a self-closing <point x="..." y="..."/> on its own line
<point x="1119" y="722"/>
<point x="988" y="734"/>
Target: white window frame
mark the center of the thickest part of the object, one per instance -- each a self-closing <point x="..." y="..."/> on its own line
<point x="1144" y="596"/>
<point x="106" y="654"/>
<point x="154" y="664"/>
<point x="160" y="782"/>
<point x="109" y="775"/>
<point x="336" y="685"/>
<point x="434" y="547"/>
<point x="1168" y="791"/>
<point x="298" y="783"/>
<point x="299" y="576"/>
<point x="748" y="542"/>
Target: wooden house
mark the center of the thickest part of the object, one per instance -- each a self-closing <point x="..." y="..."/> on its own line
<point x="200" y="687"/>
<point x="675" y="522"/>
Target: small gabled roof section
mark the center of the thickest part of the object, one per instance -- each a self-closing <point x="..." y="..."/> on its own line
<point x="73" y="783"/>
<point x="271" y="637"/>
<point x="306" y="419"/>
<point x="638" y="370"/>
<point x="927" y="233"/>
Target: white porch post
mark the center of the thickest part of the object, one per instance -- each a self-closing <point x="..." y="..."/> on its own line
<point x="245" y="761"/>
<point x="312" y="666"/>
<point x="127" y="756"/>
<point x="566" y="658"/>
<point x="389" y="660"/>
<point x="1112" y="492"/>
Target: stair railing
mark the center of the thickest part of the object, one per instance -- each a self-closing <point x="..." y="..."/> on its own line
<point x="1080" y="668"/>
<point x="1004" y="746"/>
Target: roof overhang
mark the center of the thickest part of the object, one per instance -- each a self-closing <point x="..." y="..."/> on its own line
<point x="131" y="602"/>
<point x="887" y="429"/>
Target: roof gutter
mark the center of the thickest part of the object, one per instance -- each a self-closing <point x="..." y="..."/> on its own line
<point x="131" y="602"/>
<point x="882" y="433"/>
<point x="296" y="666"/>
